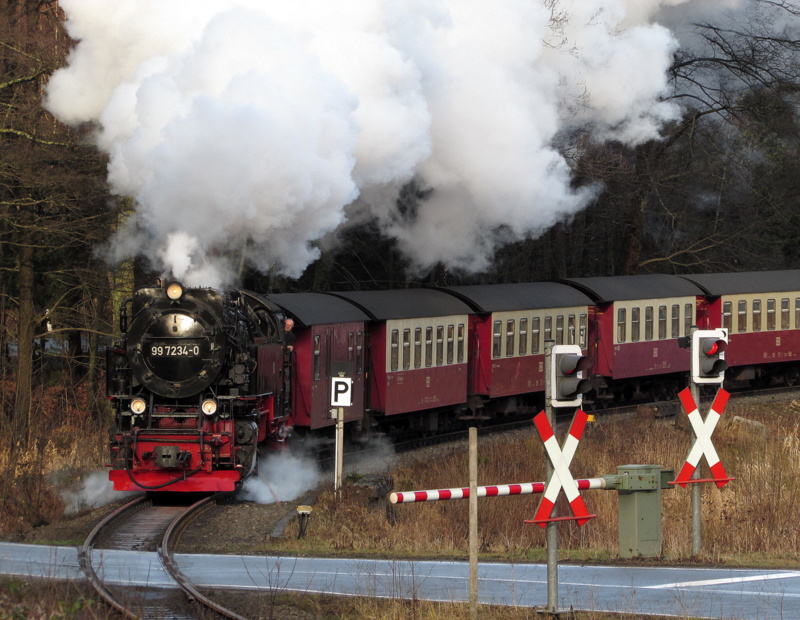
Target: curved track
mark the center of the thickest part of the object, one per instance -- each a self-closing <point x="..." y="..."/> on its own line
<point x="142" y="525"/>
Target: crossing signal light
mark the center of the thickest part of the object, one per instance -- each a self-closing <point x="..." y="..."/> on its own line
<point x="568" y="372"/>
<point x="708" y="355"/>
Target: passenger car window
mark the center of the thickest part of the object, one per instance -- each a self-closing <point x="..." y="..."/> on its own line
<point x="395" y="353"/>
<point x="676" y="321"/>
<point x="771" y="316"/>
<point x="741" y="326"/>
<point x="450" y="343"/>
<point x="428" y="346"/>
<point x="727" y="315"/>
<point x="785" y="313"/>
<point x="756" y="315"/>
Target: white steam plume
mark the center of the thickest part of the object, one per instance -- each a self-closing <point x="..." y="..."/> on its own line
<point x="281" y="478"/>
<point x="92" y="491"/>
<point x="249" y="125"/>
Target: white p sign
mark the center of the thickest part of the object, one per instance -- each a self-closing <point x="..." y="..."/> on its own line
<point x="341" y="392"/>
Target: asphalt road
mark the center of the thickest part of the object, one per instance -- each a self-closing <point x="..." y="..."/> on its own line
<point x="685" y="592"/>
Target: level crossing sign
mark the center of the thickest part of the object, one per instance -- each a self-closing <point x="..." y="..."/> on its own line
<point x="702" y="444"/>
<point x="561" y="477"/>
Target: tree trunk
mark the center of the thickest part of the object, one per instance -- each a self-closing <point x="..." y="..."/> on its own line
<point x="25" y="334"/>
<point x="633" y="241"/>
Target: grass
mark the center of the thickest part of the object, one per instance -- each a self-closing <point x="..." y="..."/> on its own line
<point x="53" y="600"/>
<point x="286" y="605"/>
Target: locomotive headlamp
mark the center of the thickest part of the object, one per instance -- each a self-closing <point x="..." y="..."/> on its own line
<point x="138" y="406"/>
<point x="209" y="406"/>
<point x="174" y="291"/>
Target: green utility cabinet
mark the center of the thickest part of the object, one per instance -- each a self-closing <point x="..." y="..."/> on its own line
<point x="639" y="488"/>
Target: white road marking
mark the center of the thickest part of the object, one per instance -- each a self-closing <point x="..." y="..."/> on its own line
<point x="717" y="582"/>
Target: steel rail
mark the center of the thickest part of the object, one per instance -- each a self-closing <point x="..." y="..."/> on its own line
<point x="164" y="546"/>
<point x="85" y="553"/>
<point x="170" y="540"/>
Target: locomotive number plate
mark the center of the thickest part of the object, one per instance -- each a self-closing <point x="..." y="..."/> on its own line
<point x="184" y="349"/>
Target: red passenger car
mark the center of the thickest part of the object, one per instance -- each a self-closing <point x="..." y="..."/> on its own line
<point x="330" y="336"/>
<point x="634" y="336"/>
<point x="761" y="311"/>
<point x="418" y="352"/>
<point x="509" y="328"/>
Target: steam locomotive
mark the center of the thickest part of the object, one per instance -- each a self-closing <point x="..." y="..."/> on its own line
<point x="201" y="380"/>
<point x="197" y="382"/>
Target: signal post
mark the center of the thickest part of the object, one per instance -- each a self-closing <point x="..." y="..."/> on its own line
<point x="565" y="385"/>
<point x="708" y="367"/>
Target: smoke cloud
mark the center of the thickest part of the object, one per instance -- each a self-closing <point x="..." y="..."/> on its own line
<point x="249" y="129"/>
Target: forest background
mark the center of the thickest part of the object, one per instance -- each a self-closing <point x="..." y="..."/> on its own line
<point x="718" y="192"/>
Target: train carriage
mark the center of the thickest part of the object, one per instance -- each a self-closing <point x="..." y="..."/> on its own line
<point x="418" y="350"/>
<point x="637" y="321"/>
<point x="761" y="311"/>
<point x="511" y="324"/>
<point x="330" y="338"/>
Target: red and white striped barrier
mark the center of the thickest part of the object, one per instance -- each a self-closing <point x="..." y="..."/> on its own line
<point x="702" y="445"/>
<point x="500" y="490"/>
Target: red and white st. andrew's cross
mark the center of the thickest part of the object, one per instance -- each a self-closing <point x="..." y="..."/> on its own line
<point x="561" y="477"/>
<point x="702" y="445"/>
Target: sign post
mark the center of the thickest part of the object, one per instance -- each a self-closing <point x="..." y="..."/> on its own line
<point x="565" y="385"/>
<point x="473" y="523"/>
<point x="341" y="397"/>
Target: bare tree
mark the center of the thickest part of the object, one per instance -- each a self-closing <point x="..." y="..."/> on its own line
<point x="51" y="194"/>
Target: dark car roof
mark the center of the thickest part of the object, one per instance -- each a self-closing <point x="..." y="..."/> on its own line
<point x="717" y="284"/>
<point x="624" y="288"/>
<point x="318" y="308"/>
<point x="410" y="303"/>
<point x="523" y="296"/>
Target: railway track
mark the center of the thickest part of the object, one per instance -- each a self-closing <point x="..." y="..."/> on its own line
<point x="142" y="525"/>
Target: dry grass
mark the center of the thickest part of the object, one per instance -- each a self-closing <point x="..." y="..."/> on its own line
<point x="749" y="521"/>
<point x="69" y="442"/>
